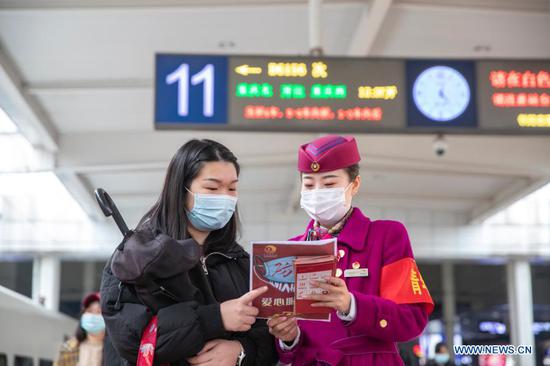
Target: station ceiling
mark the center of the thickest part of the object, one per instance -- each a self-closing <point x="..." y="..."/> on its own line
<point x="85" y="69"/>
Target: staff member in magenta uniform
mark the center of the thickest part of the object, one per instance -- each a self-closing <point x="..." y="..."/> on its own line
<point x="378" y="296"/>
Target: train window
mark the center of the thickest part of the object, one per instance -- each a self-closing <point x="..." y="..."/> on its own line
<point x="45" y="362"/>
<point x="3" y="359"/>
<point x="23" y="361"/>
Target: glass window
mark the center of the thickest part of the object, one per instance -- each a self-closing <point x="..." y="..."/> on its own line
<point x="23" y="361"/>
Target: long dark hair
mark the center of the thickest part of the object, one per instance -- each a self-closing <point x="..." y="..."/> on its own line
<point x="168" y="214"/>
<point x="80" y="334"/>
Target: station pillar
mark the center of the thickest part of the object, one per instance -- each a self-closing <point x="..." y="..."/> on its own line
<point x="88" y="278"/>
<point x="520" y="298"/>
<point x="449" y="303"/>
<point x="46" y="279"/>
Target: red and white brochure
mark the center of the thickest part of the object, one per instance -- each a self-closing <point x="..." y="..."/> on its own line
<point x="272" y="264"/>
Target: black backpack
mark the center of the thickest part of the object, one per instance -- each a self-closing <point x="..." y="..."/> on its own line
<point x="154" y="264"/>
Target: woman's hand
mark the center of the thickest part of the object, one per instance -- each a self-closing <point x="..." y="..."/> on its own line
<point x="219" y="352"/>
<point x="238" y="315"/>
<point x="335" y="295"/>
<point x="283" y="328"/>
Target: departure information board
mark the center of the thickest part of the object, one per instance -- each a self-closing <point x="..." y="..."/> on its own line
<point x="514" y="95"/>
<point x="335" y="94"/>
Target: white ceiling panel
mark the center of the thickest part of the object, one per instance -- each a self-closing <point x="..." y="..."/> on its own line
<point x="60" y="45"/>
<point x="99" y="110"/>
<point x="455" y="186"/>
<point x="456" y="32"/>
<point x="135" y="183"/>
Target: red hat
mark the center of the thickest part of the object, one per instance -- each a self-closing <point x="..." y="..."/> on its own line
<point x="328" y="153"/>
<point x="90" y="298"/>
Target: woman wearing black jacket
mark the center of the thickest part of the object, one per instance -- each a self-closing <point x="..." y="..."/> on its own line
<point x="219" y="328"/>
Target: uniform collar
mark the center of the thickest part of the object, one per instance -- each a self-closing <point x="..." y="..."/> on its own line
<point x="354" y="232"/>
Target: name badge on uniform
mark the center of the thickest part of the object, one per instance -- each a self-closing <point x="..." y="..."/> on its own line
<point x="357" y="272"/>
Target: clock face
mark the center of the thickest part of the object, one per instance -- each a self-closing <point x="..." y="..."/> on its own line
<point x="441" y="93"/>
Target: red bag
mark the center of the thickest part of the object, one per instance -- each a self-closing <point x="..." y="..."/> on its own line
<point x="146" y="353"/>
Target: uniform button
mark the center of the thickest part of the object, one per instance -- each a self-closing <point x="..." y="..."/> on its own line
<point x="356" y="265"/>
<point x="338" y="272"/>
<point x="383" y="323"/>
<point x="341" y="253"/>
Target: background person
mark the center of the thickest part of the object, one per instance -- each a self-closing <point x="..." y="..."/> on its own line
<point x="86" y="347"/>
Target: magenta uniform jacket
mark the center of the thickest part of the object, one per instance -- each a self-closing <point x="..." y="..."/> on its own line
<point x="392" y="302"/>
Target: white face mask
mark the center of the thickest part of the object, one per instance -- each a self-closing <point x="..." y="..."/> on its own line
<point x="326" y="205"/>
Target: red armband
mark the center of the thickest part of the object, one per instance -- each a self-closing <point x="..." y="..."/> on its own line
<point x="402" y="283"/>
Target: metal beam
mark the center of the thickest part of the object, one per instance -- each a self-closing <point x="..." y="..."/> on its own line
<point x="116" y="151"/>
<point x="87" y="86"/>
<point x="368" y="27"/>
<point x="516" y="6"/>
<point x="23" y="109"/>
<point x="410" y="166"/>
<point x="131" y="147"/>
<point x="505" y="197"/>
<point x="91" y="4"/>
<point x="314" y="17"/>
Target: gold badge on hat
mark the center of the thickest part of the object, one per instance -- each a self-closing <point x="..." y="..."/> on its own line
<point x="315" y="166"/>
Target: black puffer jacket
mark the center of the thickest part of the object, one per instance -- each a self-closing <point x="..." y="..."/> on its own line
<point x="184" y="328"/>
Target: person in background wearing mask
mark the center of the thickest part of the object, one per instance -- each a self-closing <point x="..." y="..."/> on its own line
<point x="86" y="348"/>
<point x="378" y="296"/>
<point x="199" y="202"/>
<point x="441" y="357"/>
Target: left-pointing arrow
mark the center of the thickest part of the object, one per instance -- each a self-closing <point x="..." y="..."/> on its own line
<point x="247" y="70"/>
